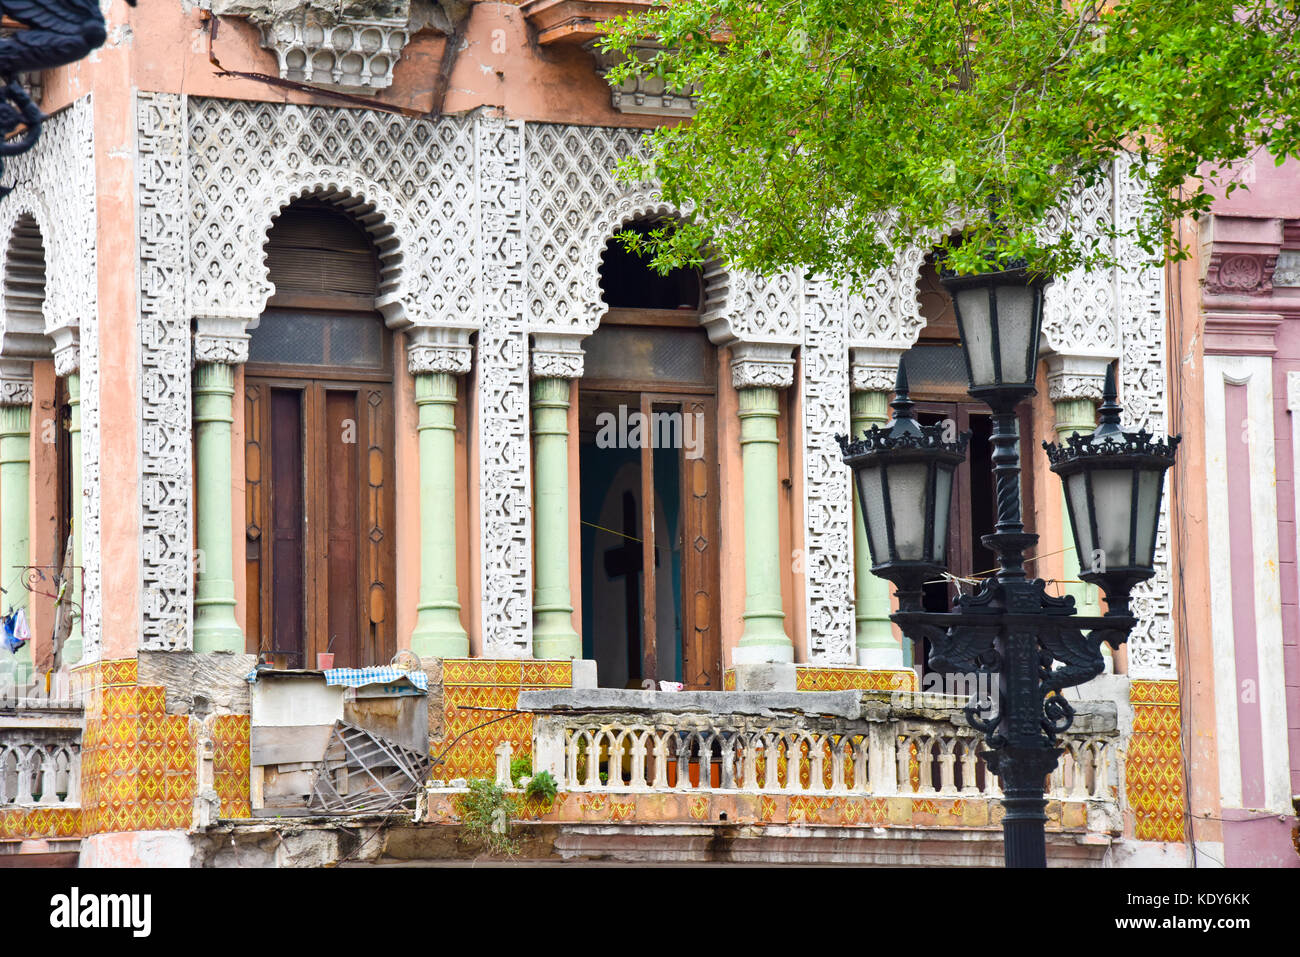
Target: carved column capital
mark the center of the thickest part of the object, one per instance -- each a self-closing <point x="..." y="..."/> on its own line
<point x="762" y="365"/>
<point x="221" y="340"/>
<point x="67" y="350"/>
<point x="1076" y="376"/>
<point x="873" y="370"/>
<point x="438" y="350"/>
<point x="15" y="382"/>
<point x="556" y="356"/>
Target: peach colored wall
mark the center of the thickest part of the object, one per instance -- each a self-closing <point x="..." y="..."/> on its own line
<point x="1049" y="562"/>
<point x="43" y="509"/>
<point x="498" y="66"/>
<point x="731" y="512"/>
<point x="1189" y="539"/>
<point x="119" y="337"/>
<point x="406" y="458"/>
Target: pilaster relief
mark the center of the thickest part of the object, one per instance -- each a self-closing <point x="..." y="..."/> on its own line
<point x="166" y="448"/>
<point x="1140" y="300"/>
<point x="1287" y="270"/>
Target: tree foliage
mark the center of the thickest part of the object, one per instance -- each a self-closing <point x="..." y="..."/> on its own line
<point x="830" y="132"/>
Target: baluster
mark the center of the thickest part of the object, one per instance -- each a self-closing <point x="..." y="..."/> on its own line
<point x="1101" y="769"/>
<point x="905" y="743"/>
<point x="862" y="760"/>
<point x="925" y="761"/>
<point x="1082" y="761"/>
<point x="1056" y="779"/>
<point x="947" y="760"/>
<point x="571" y="759"/>
<point x="727" y="779"/>
<point x="638" y="782"/>
<point x="661" y="759"/>
<point x="749" y="762"/>
<point x="968" y="777"/>
<point x="685" y="740"/>
<point x="5" y="755"/>
<point x="26" y="771"/>
<point x="592" y="741"/>
<point x="49" y="778"/>
<point x="74" y="777"/>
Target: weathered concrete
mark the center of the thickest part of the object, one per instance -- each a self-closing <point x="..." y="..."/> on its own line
<point x="199" y="683"/>
<point x="766" y="676"/>
<point x="839" y="704"/>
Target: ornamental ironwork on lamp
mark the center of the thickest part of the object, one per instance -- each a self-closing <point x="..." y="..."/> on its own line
<point x="999" y="317"/>
<point x="904" y="474"/>
<point x="1114" y="481"/>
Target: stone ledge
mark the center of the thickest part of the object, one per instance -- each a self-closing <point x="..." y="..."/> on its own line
<point x="837" y="704"/>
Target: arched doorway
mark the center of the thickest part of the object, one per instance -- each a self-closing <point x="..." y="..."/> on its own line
<point x="319" y="440"/>
<point x="649" y="481"/>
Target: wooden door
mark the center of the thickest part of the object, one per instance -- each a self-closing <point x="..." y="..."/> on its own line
<point x="319" y="519"/>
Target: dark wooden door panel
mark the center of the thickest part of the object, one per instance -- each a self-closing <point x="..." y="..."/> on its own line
<point x="340" y="540"/>
<point x="701" y="631"/>
<point x="286" y="513"/>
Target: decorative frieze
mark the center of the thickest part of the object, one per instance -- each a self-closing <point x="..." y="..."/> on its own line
<point x="15" y="382"/>
<point x="435" y="350"/>
<point x="874" y="370"/>
<point x="352" y="45"/>
<point x="1240" y="274"/>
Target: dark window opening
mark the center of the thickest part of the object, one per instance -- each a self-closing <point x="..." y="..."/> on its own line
<point x="628" y="281"/>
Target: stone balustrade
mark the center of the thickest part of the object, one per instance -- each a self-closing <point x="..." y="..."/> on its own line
<point x="40" y="758"/>
<point x="832" y="744"/>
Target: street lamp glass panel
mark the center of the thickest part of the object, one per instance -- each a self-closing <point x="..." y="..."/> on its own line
<point x="907" y="488"/>
<point x="1112" y="497"/>
<point x="1076" y="488"/>
<point x="872" y="500"/>
<point x="1148" y="514"/>
<point x="942" y="503"/>
<point x="1015" y="326"/>
<point x="977" y="334"/>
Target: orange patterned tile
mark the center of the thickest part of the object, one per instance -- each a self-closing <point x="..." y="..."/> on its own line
<point x="1154" y="770"/>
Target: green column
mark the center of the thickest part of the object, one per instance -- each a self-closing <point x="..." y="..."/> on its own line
<point x="72" y="648"/>
<point x="15" y="524"/>
<point x="763" y="638"/>
<point x="215" y="628"/>
<point x="438" y="632"/>
<point x="553" y="634"/>
<point x="876" y="644"/>
<point x="1077" y="415"/>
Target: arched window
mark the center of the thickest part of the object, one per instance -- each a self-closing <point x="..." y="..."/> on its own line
<point x="319" y="463"/>
<point x="648" y="461"/>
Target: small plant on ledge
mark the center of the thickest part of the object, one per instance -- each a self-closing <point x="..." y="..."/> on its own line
<point x="521" y="768"/>
<point x="542" y="787"/>
<point x="486" y="813"/>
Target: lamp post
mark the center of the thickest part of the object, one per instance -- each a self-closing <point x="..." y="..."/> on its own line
<point x="1033" y="642"/>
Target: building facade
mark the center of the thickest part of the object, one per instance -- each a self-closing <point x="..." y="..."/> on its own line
<point x="317" y="341"/>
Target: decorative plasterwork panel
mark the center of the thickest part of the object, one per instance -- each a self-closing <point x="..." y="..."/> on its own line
<point x="348" y="44"/>
<point x="576" y="204"/>
<point x="828" y="501"/>
<point x="504" y="450"/>
<point x="1140" y="299"/>
<point x="885" y="312"/>
<point x="55" y="184"/>
<point x="1079" y="308"/>
<point x="1287" y="270"/>
<point x="409" y="182"/>
<point x="1241" y="274"/>
<point x="165" y="438"/>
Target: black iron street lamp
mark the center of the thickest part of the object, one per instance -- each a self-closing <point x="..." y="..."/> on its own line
<point x="1034" y="642"/>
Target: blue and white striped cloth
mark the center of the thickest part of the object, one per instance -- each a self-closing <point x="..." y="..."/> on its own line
<point x="359" y="677"/>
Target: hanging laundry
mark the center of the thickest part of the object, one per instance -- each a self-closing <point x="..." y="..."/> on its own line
<point x="16" y="632"/>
